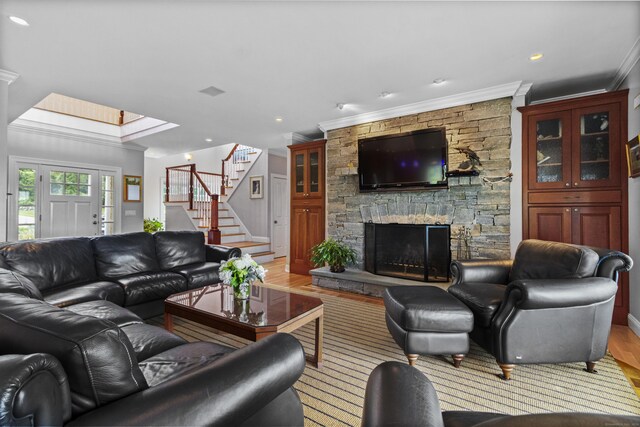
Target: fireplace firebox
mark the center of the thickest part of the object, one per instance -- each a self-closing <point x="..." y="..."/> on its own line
<point x="409" y="251"/>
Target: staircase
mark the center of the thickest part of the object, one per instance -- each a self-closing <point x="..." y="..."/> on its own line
<point x="195" y="194"/>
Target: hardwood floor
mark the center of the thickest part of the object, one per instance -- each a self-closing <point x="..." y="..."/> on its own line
<point x="624" y="345"/>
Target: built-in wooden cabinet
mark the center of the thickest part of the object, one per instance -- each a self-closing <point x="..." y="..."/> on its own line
<point x="307" y="203"/>
<point x="575" y="175"/>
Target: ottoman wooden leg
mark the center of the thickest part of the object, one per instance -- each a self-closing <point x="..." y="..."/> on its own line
<point x="457" y="359"/>
<point x="591" y="367"/>
<point x="412" y="359"/>
<point x="506" y="370"/>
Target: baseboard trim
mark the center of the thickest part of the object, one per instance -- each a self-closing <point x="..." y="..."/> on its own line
<point x="634" y="324"/>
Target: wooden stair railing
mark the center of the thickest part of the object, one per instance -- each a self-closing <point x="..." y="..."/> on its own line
<point x="233" y="164"/>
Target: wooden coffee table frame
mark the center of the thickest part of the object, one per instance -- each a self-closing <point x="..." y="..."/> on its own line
<point x="244" y="330"/>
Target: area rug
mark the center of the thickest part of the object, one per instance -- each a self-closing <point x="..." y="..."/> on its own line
<point x="356" y="340"/>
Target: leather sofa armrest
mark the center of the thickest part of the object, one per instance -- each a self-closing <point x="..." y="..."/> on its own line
<point x="218" y="253"/>
<point x="554" y="293"/>
<point x="35" y="390"/>
<point x="400" y="395"/>
<point x="481" y="271"/>
<point x="225" y="392"/>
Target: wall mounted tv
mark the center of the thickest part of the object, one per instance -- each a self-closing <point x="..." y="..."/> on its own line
<point x="408" y="161"/>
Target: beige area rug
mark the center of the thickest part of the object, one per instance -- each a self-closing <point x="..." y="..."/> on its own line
<point x="356" y="340"/>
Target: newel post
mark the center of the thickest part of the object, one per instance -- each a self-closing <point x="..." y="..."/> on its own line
<point x="166" y="186"/>
<point x="192" y="174"/>
<point x="222" y="181"/>
<point x="214" y="237"/>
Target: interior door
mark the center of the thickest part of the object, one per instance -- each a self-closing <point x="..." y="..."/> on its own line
<point x="279" y="216"/>
<point x="70" y="202"/>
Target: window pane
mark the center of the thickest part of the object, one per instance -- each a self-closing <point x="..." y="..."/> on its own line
<point x="27" y="196"/>
<point x="107" y="214"/>
<point x="56" y="176"/>
<point x="107" y="198"/>
<point x="57" y="189"/>
<point x="84" y="190"/>
<point x="71" y="177"/>
<point x="70" y="189"/>
<point x="26" y="232"/>
<point x="107" y="183"/>
<point x="85" y="178"/>
<point x="107" y="228"/>
<point x="26" y="215"/>
<point x="27" y="177"/>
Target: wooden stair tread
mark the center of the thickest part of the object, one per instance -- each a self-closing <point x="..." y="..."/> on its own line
<point x="232" y="225"/>
<point x="257" y="254"/>
<point x="232" y="234"/>
<point x="246" y="244"/>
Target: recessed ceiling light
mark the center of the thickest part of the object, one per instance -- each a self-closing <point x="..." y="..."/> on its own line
<point x="19" y="21"/>
<point x="536" y="57"/>
<point x="208" y="139"/>
<point x="279" y="119"/>
<point x="384" y="94"/>
<point x="188" y="157"/>
<point x="340" y="106"/>
<point x="439" y="81"/>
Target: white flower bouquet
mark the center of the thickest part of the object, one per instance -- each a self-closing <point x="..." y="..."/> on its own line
<point x="239" y="273"/>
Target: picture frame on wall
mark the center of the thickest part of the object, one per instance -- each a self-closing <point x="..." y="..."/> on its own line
<point x="256" y="187"/>
<point x="633" y="157"/>
<point x="132" y="188"/>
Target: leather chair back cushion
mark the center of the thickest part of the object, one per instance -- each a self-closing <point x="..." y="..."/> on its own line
<point x="538" y="259"/>
<point x="124" y="254"/>
<point x="51" y="263"/>
<point x="96" y="355"/>
<point x="11" y="281"/>
<point x="178" y="248"/>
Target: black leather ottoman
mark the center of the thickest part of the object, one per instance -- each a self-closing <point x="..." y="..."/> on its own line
<point x="428" y="320"/>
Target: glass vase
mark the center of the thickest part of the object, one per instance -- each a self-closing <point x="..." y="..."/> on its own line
<point x="241" y="291"/>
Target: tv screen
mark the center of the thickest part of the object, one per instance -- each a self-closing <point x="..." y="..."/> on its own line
<point x="412" y="159"/>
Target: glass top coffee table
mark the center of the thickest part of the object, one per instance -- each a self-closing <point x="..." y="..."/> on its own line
<point x="266" y="312"/>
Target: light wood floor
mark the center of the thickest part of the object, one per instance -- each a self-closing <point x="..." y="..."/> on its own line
<point x="624" y="345"/>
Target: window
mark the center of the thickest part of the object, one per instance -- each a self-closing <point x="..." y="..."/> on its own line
<point x="107" y="203"/>
<point x="26" y="203"/>
<point x="69" y="184"/>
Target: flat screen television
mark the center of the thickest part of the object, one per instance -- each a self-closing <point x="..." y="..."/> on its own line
<point x="412" y="160"/>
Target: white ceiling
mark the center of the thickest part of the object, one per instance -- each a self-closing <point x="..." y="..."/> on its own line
<point x="298" y="59"/>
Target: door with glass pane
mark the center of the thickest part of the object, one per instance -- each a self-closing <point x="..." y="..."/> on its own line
<point x="70" y="202"/>
<point x="315" y="169"/>
<point x="107" y="203"/>
<point x="299" y="173"/>
<point x="596" y="153"/>
<point x="550" y="156"/>
<point x="26" y="203"/>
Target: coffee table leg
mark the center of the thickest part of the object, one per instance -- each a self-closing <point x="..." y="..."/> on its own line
<point x="168" y="322"/>
<point x="319" y="338"/>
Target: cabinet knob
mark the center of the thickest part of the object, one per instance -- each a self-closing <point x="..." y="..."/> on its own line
<point x="576" y="209"/>
<point x="575" y="184"/>
<point x="567" y="210"/>
<point x="567" y="184"/>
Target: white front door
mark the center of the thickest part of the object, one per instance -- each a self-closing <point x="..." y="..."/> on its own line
<point x="279" y="216"/>
<point x="70" y="202"/>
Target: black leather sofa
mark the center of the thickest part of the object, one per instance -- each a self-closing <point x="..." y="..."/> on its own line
<point x="96" y="363"/>
<point x="135" y="270"/>
<point x="399" y="395"/>
<point x="552" y="303"/>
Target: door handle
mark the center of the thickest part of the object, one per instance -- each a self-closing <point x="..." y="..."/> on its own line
<point x="275" y="222"/>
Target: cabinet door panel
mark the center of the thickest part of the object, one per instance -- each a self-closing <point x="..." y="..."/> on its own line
<point x="553" y="224"/>
<point x="596" y="226"/>
<point x="315" y="229"/>
<point x="596" y="146"/>
<point x="298" y="174"/>
<point x="299" y="241"/>
<point x="315" y="173"/>
<point x="549" y="150"/>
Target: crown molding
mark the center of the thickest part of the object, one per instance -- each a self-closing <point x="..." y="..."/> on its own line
<point x="523" y="90"/>
<point x="627" y="65"/>
<point x="8" y="76"/>
<point x="573" y="95"/>
<point x="295" y="138"/>
<point x="26" y="126"/>
<point x="480" y="95"/>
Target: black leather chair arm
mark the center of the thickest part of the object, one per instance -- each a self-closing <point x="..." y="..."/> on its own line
<point x="226" y="392"/>
<point x="33" y="391"/>
<point x="217" y="253"/>
<point x="481" y="271"/>
<point x="399" y="395"/>
<point x="554" y="293"/>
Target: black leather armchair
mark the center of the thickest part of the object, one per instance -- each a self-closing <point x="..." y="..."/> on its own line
<point x="399" y="395"/>
<point x="552" y="304"/>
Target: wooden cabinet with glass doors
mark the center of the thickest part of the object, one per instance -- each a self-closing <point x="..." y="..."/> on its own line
<point x="575" y="175"/>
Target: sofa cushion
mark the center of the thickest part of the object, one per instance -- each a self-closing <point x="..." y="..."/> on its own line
<point x="107" y="311"/>
<point x="75" y="294"/>
<point x="483" y="299"/>
<point x="178" y="248"/>
<point x="200" y="274"/>
<point x="149" y="340"/>
<point x="14" y="282"/>
<point x="51" y="263"/>
<point x="538" y="259"/>
<point x="96" y="355"/>
<point x="179" y="360"/>
<point x="125" y="254"/>
<point x="145" y="287"/>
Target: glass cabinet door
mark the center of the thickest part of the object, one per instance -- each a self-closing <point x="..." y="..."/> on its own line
<point x="550" y="150"/>
<point x="596" y="152"/>
<point x="299" y="172"/>
<point x="315" y="172"/>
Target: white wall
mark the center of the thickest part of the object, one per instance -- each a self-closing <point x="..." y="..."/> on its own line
<point x="253" y="213"/>
<point x="515" y="216"/>
<point x="56" y="147"/>
<point x="632" y="82"/>
<point x="206" y="160"/>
